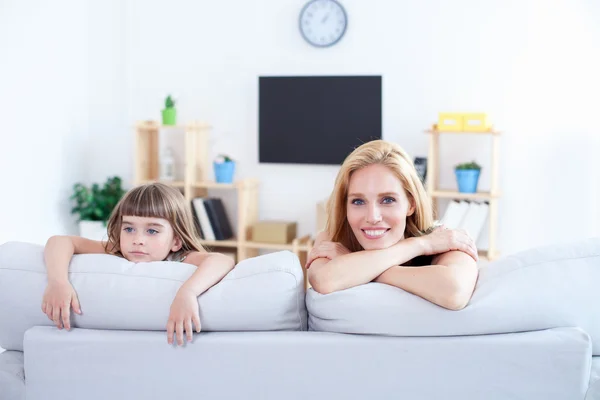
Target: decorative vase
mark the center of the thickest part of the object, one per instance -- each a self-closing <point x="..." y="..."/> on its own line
<point x="169" y="116"/>
<point x="224" y="171"/>
<point x="94" y="230"/>
<point x="467" y="180"/>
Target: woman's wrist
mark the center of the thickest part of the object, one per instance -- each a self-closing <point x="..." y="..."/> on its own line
<point x="409" y="248"/>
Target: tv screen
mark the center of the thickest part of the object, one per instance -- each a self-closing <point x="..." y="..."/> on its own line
<point x="317" y="119"/>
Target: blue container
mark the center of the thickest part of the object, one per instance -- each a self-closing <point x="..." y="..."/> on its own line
<point x="224" y="171"/>
<point x="467" y="180"/>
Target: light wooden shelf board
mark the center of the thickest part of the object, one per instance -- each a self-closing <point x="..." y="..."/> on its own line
<point x="451" y="194"/>
<point x="273" y="246"/>
<point x="490" y="132"/>
<point x="221" y="243"/>
<point x="177" y="184"/>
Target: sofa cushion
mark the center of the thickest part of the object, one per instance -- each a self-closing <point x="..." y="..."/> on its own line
<point x="264" y="293"/>
<point x="545" y="287"/>
<point x="12" y="375"/>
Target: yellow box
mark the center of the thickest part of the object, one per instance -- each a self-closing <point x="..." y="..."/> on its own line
<point x="476" y="122"/>
<point x="452" y="122"/>
<point x="279" y="232"/>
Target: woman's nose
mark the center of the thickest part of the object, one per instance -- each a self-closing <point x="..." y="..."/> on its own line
<point x="374" y="215"/>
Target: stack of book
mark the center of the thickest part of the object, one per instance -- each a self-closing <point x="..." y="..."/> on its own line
<point x="470" y="216"/>
<point x="211" y="219"/>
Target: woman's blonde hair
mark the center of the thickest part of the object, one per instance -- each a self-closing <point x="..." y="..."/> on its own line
<point x="397" y="160"/>
<point x="155" y="200"/>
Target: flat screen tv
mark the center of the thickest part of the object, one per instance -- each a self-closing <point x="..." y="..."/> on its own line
<point x="316" y="119"/>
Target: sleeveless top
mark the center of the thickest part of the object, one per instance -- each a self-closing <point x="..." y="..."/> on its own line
<point x="177" y="257"/>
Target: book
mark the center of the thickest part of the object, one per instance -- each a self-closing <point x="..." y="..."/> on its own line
<point x="455" y="213"/>
<point x="474" y="219"/>
<point x="218" y="218"/>
<point x="207" y="229"/>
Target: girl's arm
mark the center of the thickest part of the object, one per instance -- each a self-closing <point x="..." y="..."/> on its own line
<point x="212" y="267"/>
<point x="60" y="249"/>
<point x="59" y="295"/>
<point x="449" y="283"/>
<point x="341" y="272"/>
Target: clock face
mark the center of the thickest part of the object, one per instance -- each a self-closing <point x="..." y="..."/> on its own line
<point x="323" y="22"/>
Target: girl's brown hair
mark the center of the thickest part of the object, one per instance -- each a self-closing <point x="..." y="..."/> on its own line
<point x="155" y="200"/>
<point x="397" y="160"/>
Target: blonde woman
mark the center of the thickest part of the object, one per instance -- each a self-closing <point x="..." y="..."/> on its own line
<point x="380" y="228"/>
<point x="151" y="223"/>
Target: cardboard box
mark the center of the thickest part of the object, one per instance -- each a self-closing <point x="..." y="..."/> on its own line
<point x="279" y="232"/>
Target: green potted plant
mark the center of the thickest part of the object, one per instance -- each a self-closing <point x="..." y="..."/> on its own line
<point x="224" y="167"/>
<point x="467" y="176"/>
<point x="169" y="114"/>
<point x="93" y="206"/>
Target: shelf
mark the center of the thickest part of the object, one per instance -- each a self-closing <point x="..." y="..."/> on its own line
<point x="451" y="194"/>
<point x="220" y="243"/>
<point x="177" y="184"/>
<point x="205" y="185"/>
<point x="153" y="125"/>
<point x="274" y="246"/>
<point x="485" y="256"/>
<point x="234" y="185"/>
<point x="489" y="132"/>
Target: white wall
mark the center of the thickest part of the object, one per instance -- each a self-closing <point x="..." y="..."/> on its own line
<point x="531" y="64"/>
<point x="43" y="98"/>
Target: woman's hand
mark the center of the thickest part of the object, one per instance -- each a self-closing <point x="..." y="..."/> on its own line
<point x="442" y="240"/>
<point x="58" y="299"/>
<point x="184" y="311"/>
<point x="326" y="249"/>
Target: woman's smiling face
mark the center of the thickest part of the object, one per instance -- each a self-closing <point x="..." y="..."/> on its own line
<point x="377" y="207"/>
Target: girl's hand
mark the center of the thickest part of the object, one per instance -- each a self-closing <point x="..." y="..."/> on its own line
<point x="442" y="240"/>
<point x="326" y="249"/>
<point x="184" y="311"/>
<point x="58" y="299"/>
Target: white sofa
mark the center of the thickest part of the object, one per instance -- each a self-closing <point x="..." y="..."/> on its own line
<point x="531" y="331"/>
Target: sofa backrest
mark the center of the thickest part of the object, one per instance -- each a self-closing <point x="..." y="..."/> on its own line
<point x="541" y="288"/>
<point x="264" y="293"/>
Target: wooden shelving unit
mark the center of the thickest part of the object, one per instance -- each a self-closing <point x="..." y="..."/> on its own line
<point x="491" y="197"/>
<point x="196" y="183"/>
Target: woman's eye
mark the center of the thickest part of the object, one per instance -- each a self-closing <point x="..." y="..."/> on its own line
<point x="152" y="231"/>
<point x="389" y="200"/>
<point x="128" y="229"/>
<point x="357" y="202"/>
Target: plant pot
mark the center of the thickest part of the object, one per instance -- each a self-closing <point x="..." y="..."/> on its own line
<point x="169" y="116"/>
<point x="94" y="230"/>
<point x="467" y="180"/>
<point x="224" y="171"/>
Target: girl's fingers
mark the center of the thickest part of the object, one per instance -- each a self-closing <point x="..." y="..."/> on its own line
<point x="179" y="332"/>
<point x="56" y="317"/>
<point x="188" y="329"/>
<point x="66" y="313"/>
<point x="170" y="330"/>
<point x="197" y="323"/>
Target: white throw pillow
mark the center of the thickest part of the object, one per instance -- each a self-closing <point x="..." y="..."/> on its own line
<point x="546" y="287"/>
<point x="264" y="293"/>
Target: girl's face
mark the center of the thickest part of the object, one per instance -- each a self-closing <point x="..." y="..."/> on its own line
<point x="147" y="239"/>
<point x="377" y="207"/>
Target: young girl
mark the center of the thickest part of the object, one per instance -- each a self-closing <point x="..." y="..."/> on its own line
<point x="380" y="226"/>
<point x="150" y="223"/>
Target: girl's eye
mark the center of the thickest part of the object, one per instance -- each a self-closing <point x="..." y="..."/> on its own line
<point x="357" y="202"/>
<point x="128" y="229"/>
<point x="152" y="231"/>
<point x="389" y="200"/>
